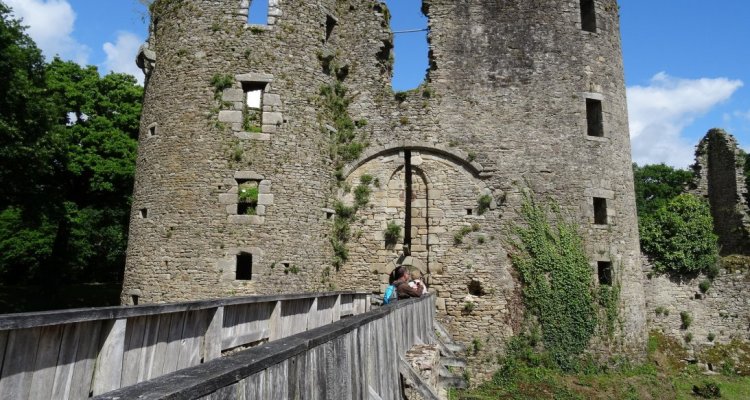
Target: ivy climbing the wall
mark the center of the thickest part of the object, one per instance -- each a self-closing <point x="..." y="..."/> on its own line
<point x="557" y="281"/>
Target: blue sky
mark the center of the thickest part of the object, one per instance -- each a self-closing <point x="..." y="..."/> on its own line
<point x="686" y="61"/>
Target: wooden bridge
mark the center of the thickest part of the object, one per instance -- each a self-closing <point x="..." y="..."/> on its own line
<point x="316" y="346"/>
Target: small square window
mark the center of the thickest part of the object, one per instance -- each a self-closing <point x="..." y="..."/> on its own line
<point x="244" y="267"/>
<point x="469" y="211"/>
<point x="604" y="269"/>
<point x="600" y="211"/>
<point x="152" y="130"/>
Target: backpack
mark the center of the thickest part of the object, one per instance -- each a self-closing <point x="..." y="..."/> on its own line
<point x="390" y="294"/>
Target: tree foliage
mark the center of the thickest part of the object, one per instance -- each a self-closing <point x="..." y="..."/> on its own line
<point x="679" y="236"/>
<point x="657" y="184"/>
<point x="68" y="141"/>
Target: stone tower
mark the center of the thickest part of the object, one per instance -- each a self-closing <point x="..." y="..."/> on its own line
<point x="719" y="177"/>
<point x="277" y="158"/>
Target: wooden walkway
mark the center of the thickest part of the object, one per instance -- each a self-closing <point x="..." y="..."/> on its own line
<point x="76" y="354"/>
<point x="355" y="358"/>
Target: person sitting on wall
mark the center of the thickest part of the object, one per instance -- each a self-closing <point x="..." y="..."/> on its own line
<point x="400" y="278"/>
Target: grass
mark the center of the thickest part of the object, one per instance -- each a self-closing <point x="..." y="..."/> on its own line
<point x="662" y="377"/>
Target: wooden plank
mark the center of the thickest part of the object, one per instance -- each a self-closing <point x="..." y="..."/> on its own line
<point x="274" y="322"/>
<point x="160" y="348"/>
<point x="236" y="341"/>
<point x="90" y="341"/>
<point x="148" y="348"/>
<point x="174" y="344"/>
<point x="192" y="339"/>
<point x="20" y="357"/>
<point x="212" y="341"/>
<point x="136" y="329"/>
<point x="46" y="362"/>
<point x="3" y="342"/>
<point x="66" y="361"/>
<point x="47" y="318"/>
<point x="108" y="372"/>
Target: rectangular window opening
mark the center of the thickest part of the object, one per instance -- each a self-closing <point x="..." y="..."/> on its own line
<point x="469" y="211"/>
<point x="257" y="14"/>
<point x="604" y="269"/>
<point x="247" y="197"/>
<point x="594" y="118"/>
<point x="152" y="130"/>
<point x="600" y="211"/>
<point x="330" y="25"/>
<point x="144" y="212"/>
<point x="244" y="270"/>
<point x="253" y="110"/>
<point x="134" y="298"/>
<point x="588" y="15"/>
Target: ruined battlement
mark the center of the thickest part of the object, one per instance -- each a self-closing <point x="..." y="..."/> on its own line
<point x="277" y="158"/>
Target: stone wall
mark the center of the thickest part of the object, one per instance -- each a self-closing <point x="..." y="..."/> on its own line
<point x="719" y="169"/>
<point x="722" y="312"/>
<point x="504" y="107"/>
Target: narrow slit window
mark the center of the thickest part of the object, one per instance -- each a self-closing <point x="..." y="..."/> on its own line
<point x="588" y="15"/>
<point x="244" y="270"/>
<point x="152" y="130"/>
<point x="134" y="299"/>
<point x="594" y="118"/>
<point x="330" y="25"/>
<point x="600" y="211"/>
<point x="247" y="197"/>
<point x="257" y="14"/>
<point x="144" y="213"/>
<point x="604" y="269"/>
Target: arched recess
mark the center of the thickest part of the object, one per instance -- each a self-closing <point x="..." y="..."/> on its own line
<point x="427" y="193"/>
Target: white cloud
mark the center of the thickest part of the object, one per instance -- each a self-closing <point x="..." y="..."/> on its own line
<point x="50" y="24"/>
<point x="660" y="112"/>
<point x="121" y="55"/>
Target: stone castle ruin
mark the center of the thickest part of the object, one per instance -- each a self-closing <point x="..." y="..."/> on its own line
<point x="720" y="178"/>
<point x="276" y="158"/>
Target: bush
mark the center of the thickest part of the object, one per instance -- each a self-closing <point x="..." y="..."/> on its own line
<point x="679" y="236"/>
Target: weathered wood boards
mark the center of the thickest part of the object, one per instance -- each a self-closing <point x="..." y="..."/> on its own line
<point x="74" y="354"/>
<point x="355" y="358"/>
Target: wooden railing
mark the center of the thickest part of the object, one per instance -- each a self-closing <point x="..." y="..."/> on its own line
<point x="76" y="354"/>
<point x="355" y="358"/>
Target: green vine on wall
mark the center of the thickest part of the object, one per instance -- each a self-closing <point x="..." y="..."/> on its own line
<point x="345" y="215"/>
<point x="557" y="280"/>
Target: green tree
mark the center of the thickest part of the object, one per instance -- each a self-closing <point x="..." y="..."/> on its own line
<point x="657" y="184"/>
<point x="68" y="140"/>
<point x="24" y="119"/>
<point x="679" y="236"/>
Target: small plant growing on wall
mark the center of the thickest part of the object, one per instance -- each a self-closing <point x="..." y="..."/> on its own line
<point x="391" y="234"/>
<point x="469" y="306"/>
<point x="704" y="285"/>
<point x="484" y="203"/>
<point x="686" y="319"/>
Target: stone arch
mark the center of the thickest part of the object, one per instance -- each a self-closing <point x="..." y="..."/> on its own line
<point x="442" y="188"/>
<point x="459" y="157"/>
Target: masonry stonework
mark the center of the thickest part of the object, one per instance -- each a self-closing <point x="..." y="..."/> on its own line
<point x="503" y="108"/>
<point x="719" y="172"/>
